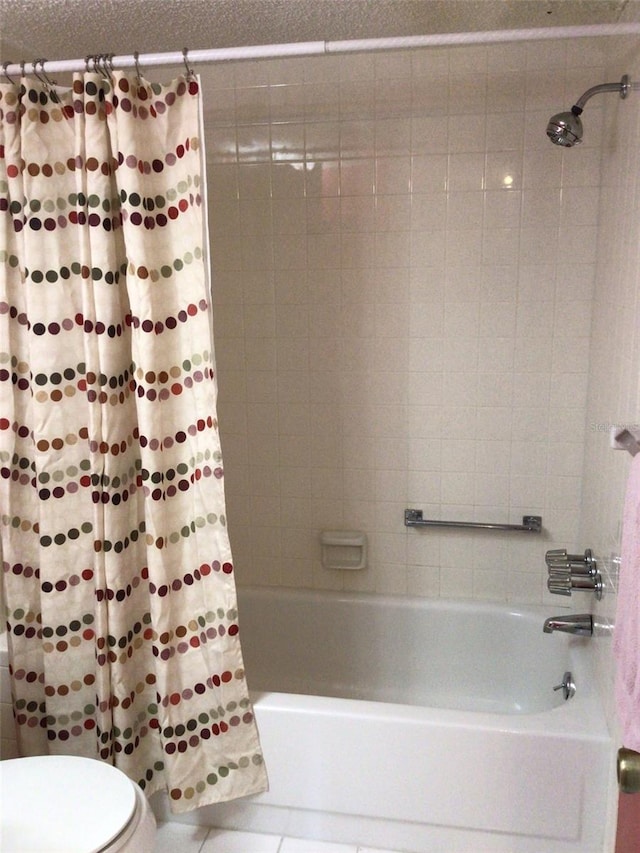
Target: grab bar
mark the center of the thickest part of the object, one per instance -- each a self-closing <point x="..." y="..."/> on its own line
<point x="530" y="523"/>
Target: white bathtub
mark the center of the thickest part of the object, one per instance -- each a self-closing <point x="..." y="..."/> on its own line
<point x="420" y="725"/>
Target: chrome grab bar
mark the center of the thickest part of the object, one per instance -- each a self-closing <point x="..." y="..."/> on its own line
<point x="530" y="523"/>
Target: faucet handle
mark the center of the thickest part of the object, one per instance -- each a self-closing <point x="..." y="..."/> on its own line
<point x="556" y="557"/>
<point x="589" y="582"/>
<point x="560" y="570"/>
<point x="560" y="555"/>
<point x="560" y="584"/>
<point x="560" y="562"/>
<point x="555" y="554"/>
<point x="559" y="559"/>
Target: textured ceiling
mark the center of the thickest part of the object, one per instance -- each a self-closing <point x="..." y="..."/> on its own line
<point x="65" y="29"/>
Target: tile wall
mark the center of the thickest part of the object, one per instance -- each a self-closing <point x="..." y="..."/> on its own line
<point x="403" y="275"/>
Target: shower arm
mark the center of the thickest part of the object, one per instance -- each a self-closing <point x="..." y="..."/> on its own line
<point x="624" y="87"/>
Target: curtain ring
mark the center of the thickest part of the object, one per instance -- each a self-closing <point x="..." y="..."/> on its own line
<point x="106" y="65"/>
<point x="43" y="79"/>
<point x="185" y="56"/>
<point x="136" y="58"/>
<point x="22" y="65"/>
<point x="44" y="73"/>
<point x="5" y="65"/>
<point x="108" y="60"/>
<point x="89" y="58"/>
<point x="46" y="81"/>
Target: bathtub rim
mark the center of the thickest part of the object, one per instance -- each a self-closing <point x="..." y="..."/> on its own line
<point x="411" y="601"/>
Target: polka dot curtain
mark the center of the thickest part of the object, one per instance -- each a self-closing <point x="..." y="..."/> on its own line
<point x="118" y="576"/>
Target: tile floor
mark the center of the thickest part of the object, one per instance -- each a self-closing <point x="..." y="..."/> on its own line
<point x="183" y="838"/>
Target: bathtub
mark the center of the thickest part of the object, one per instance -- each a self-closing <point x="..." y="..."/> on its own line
<point x="420" y="725"/>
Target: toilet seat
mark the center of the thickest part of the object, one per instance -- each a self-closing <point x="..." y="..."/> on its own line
<point x="66" y="804"/>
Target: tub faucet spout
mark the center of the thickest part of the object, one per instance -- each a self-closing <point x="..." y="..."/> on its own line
<point x="578" y="623"/>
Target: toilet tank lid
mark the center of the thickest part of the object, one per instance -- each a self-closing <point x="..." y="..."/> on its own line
<point x="63" y="803"/>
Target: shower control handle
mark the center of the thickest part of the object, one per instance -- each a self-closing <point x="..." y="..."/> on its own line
<point x="560" y="562"/>
<point x="584" y="582"/>
<point x="567" y="570"/>
<point x="559" y="585"/>
<point x="564" y="583"/>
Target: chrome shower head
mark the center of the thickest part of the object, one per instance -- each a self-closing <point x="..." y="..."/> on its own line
<point x="566" y="128"/>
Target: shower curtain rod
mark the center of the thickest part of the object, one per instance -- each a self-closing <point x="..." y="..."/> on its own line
<point x="322" y="48"/>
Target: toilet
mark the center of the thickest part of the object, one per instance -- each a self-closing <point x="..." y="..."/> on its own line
<point x="68" y="804"/>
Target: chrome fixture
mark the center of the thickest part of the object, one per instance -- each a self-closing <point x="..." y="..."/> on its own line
<point x="559" y="585"/>
<point x="567" y="686"/>
<point x="580" y="624"/>
<point x="530" y="523"/>
<point x="566" y="128"/>
<point x="573" y="571"/>
<point x="558" y="560"/>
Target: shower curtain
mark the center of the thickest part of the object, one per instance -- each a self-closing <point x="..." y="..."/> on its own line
<point x="118" y="575"/>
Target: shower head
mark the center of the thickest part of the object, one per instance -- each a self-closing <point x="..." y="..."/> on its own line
<point x="566" y="128"/>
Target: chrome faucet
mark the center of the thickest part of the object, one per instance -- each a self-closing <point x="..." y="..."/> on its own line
<point x="577" y="623"/>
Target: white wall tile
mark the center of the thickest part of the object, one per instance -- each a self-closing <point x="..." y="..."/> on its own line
<point x="467" y="91"/>
<point x="429" y="133"/>
<point x="466" y="172"/>
<point x="467" y="133"/>
<point x="392" y="136"/>
<point x="429" y="173"/>
<point x="502" y="209"/>
<point x="582" y="171"/>
<point x="500" y="245"/>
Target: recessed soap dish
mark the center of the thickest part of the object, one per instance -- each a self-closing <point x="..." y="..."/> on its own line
<point x="343" y="549"/>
